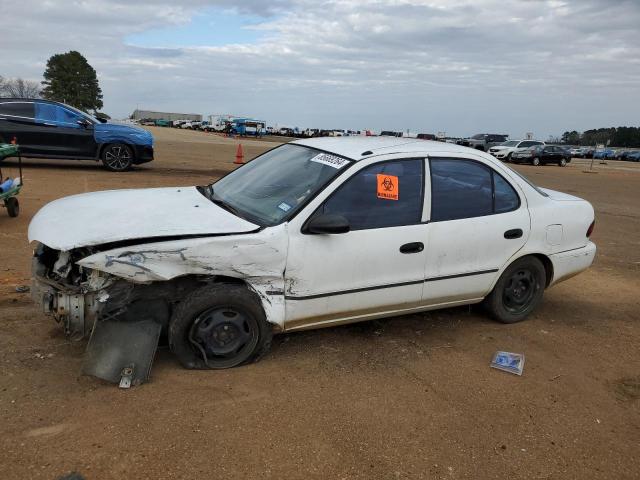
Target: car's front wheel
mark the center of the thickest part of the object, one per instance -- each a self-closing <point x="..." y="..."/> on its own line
<point x="563" y="162"/>
<point x="518" y="291"/>
<point x="117" y="157"/>
<point x="221" y="325"/>
<point x="535" y="162"/>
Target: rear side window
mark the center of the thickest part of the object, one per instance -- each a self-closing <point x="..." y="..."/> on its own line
<point x="460" y="189"/>
<point x="48" y="112"/>
<point x="505" y="197"/>
<point x="17" y="109"/>
<point x="387" y="194"/>
<point x="466" y="189"/>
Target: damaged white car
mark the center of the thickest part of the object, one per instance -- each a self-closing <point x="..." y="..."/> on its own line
<point x="313" y="233"/>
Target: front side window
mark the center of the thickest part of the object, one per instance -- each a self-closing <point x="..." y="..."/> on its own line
<point x="17" y="109"/>
<point x="387" y="194"/>
<point x="275" y="185"/>
<point x="466" y="189"/>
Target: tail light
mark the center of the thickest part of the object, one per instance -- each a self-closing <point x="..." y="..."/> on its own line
<point x="591" y="227"/>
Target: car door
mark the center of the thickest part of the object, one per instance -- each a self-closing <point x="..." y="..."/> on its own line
<point x="377" y="266"/>
<point x="16" y="122"/>
<point x="64" y="132"/>
<point x="477" y="221"/>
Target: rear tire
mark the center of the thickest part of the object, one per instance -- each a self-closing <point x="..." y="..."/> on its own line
<point x="117" y="157"/>
<point x="218" y="326"/>
<point x="563" y="162"/>
<point x="535" y="162"/>
<point x="518" y="292"/>
<point x="13" y="206"/>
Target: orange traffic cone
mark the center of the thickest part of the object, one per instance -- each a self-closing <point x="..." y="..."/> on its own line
<point x="239" y="155"/>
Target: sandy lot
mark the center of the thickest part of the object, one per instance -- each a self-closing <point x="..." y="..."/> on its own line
<point x="408" y="397"/>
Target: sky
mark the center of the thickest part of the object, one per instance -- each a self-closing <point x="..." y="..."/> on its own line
<point x="460" y="67"/>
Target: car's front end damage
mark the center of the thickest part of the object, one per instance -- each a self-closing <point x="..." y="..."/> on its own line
<point x="120" y="293"/>
<point x="74" y="296"/>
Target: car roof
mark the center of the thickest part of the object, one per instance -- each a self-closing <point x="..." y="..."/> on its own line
<point x="359" y="148"/>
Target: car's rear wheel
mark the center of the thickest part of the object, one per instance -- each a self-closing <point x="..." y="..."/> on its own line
<point x="117" y="157"/>
<point x="218" y="326"/>
<point x="535" y="162"/>
<point x="518" y="292"/>
<point x="563" y="162"/>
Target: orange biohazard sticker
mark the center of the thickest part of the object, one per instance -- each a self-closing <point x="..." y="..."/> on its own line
<point x="388" y="187"/>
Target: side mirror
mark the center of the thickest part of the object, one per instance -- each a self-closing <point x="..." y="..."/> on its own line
<point x="102" y="120"/>
<point x="327" y="224"/>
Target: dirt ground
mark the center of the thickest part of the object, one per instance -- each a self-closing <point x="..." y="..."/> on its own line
<point x="408" y="397"/>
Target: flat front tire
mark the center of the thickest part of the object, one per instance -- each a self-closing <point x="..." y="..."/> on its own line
<point x="117" y="157"/>
<point x="518" y="292"/>
<point x="221" y="325"/>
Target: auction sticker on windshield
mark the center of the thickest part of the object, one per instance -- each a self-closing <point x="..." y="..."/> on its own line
<point x="331" y="160"/>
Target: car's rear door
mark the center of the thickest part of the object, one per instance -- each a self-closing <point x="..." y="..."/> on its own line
<point x="16" y="122"/>
<point x="376" y="267"/>
<point x="477" y="221"/>
<point x="64" y="132"/>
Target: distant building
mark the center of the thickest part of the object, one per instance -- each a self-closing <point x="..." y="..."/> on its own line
<point x="149" y="115"/>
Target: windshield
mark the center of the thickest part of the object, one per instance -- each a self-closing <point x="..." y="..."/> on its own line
<point x="84" y="114"/>
<point x="272" y="187"/>
<point x="510" y="143"/>
<point x="479" y="136"/>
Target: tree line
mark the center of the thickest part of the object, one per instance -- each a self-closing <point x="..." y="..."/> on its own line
<point x="617" y="137"/>
<point x="68" y="78"/>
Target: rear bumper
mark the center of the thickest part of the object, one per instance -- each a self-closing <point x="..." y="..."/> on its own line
<point x="570" y="263"/>
<point x="142" y="154"/>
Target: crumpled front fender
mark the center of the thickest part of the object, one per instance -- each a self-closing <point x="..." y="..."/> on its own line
<point x="257" y="258"/>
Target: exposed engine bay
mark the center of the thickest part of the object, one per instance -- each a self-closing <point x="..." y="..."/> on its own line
<point x="123" y="320"/>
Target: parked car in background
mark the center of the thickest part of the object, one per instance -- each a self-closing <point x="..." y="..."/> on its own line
<point x="542" y="155"/>
<point x="582" y="152"/>
<point x="54" y="130"/>
<point x="622" y="154"/>
<point x="426" y="136"/>
<point x="162" y="123"/>
<point x="603" y="153"/>
<point x="390" y="133"/>
<point x="277" y="246"/>
<point x="633" y="156"/>
<point x="483" y="141"/>
<point x="505" y="150"/>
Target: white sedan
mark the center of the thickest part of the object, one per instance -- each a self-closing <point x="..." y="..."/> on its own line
<point x="313" y="233"/>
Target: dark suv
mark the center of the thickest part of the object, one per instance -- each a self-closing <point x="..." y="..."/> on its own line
<point x="49" y="129"/>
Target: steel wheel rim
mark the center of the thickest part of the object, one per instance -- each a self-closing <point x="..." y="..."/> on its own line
<point x="519" y="291"/>
<point x="118" y="157"/>
<point x="224" y="335"/>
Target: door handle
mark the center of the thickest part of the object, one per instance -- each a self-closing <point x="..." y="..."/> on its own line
<point x="511" y="234"/>
<point x="413" y="247"/>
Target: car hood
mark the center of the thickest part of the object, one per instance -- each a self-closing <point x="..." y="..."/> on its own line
<point x="119" y="132"/>
<point x="116" y="215"/>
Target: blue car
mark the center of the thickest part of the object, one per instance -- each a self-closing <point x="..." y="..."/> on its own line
<point x="49" y="129"/>
<point x="633" y="156"/>
<point x="605" y="153"/>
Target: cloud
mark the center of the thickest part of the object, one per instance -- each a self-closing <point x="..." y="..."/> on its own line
<point x="430" y="65"/>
